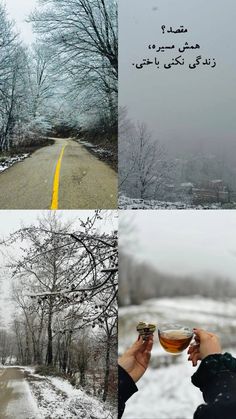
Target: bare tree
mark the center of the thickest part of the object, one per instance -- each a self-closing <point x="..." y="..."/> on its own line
<point x="12" y="58"/>
<point x="63" y="282"/>
<point x="144" y="165"/>
<point x="85" y="30"/>
<point x="83" y="35"/>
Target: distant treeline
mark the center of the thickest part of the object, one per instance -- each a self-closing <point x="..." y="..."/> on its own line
<point x="140" y="281"/>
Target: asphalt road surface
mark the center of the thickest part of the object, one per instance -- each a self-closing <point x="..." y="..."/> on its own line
<point x="64" y="173"/>
<point x="16" y="401"/>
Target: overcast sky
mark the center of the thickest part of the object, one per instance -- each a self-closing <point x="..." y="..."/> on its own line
<point x="19" y="10"/>
<point x="182" y="242"/>
<point x="186" y="109"/>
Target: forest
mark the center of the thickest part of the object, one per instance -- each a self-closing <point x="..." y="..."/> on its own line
<point x="139" y="281"/>
<point x="64" y="298"/>
<point x="65" y="83"/>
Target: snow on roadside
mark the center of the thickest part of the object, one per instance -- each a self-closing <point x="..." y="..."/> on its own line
<point x="86" y="144"/>
<point x="10" y="161"/>
<point x="57" y="398"/>
<point x="136" y="204"/>
<point x="96" y="148"/>
<point x="81" y="400"/>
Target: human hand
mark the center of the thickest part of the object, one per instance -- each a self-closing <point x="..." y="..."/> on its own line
<point x="136" y="359"/>
<point x="205" y="344"/>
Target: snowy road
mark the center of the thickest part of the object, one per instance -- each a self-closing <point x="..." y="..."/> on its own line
<point x="16" y="400"/>
<point x="84" y="181"/>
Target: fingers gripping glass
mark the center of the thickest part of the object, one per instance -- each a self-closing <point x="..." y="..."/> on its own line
<point x="145" y="329"/>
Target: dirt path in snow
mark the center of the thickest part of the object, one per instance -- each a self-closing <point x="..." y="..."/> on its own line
<point x="16" y="400"/>
<point x="85" y="182"/>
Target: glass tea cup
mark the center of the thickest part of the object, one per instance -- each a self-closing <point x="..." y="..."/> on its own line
<point x="174" y="338"/>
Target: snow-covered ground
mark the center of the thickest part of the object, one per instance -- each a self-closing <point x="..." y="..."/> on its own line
<point x="26" y="395"/>
<point x="57" y="398"/>
<point x="132" y="203"/>
<point x="96" y="149"/>
<point x="6" y="163"/>
<point x="165" y="391"/>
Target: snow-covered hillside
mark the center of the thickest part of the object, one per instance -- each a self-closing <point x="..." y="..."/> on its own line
<point x="165" y="391"/>
<point x="132" y="203"/>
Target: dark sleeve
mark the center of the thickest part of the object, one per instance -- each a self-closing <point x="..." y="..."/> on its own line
<point x="216" y="378"/>
<point x="127" y="388"/>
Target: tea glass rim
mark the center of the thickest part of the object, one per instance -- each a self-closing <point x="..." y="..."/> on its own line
<point x="164" y="327"/>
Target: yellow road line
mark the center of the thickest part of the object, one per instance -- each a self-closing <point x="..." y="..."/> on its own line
<point x="56" y="182"/>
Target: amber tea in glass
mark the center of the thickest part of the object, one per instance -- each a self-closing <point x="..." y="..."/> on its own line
<point x="174" y="339"/>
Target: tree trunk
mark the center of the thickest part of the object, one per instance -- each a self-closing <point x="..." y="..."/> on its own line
<point x="82" y="375"/>
<point x="49" y="358"/>
<point x="107" y="371"/>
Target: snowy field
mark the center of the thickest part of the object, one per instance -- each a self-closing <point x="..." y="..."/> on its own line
<point x="165" y="391"/>
<point x="136" y="204"/>
<point x="6" y="163"/>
